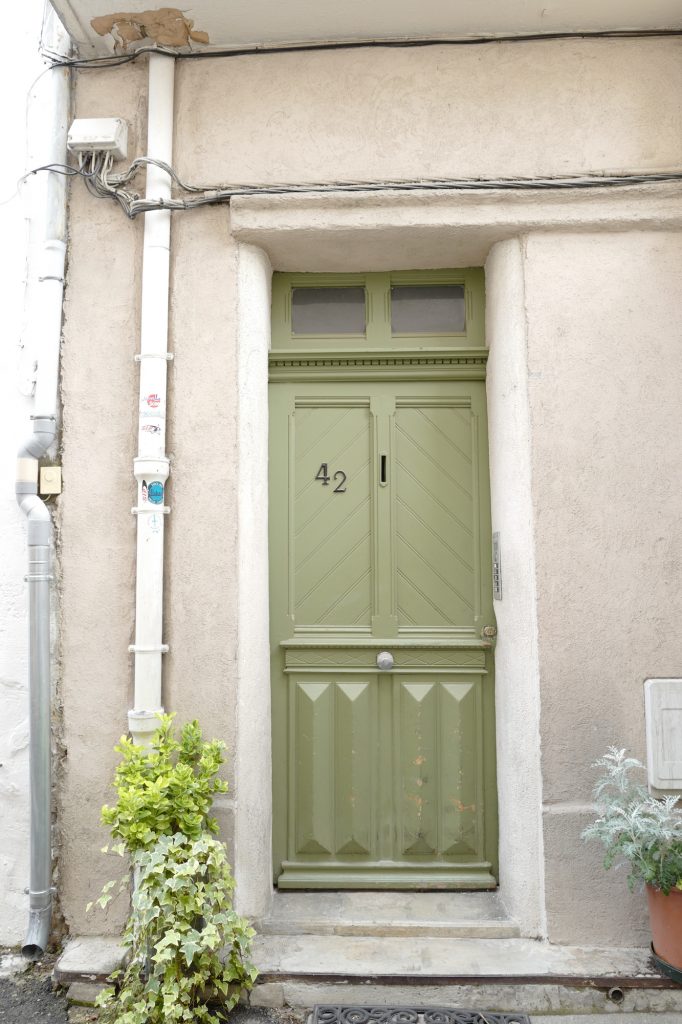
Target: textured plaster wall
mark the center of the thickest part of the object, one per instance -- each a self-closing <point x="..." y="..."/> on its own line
<point x="604" y="384"/>
<point x="498" y="111"/>
<point x="518" y="109"/>
<point x="98" y="530"/>
<point x="201" y="594"/>
<point x="99" y="385"/>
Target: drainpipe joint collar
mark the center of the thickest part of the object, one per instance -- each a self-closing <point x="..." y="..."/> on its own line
<point x="143" y="724"/>
<point x="156" y="469"/>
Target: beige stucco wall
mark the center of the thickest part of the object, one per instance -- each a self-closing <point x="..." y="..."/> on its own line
<point x="96" y="529"/>
<point x="521" y="109"/>
<point x="604" y="380"/>
<point x="592" y="305"/>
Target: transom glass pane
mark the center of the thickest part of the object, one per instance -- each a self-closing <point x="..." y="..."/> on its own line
<point x="328" y="310"/>
<point x="427" y="309"/>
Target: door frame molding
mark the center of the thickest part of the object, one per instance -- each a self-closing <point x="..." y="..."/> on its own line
<point x="518" y="748"/>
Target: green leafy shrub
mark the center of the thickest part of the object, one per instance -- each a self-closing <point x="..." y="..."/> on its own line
<point x="187" y="948"/>
<point x="636" y="828"/>
<point x="165" y="788"/>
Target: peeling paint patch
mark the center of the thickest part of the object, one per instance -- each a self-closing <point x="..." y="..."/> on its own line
<point x="463" y="808"/>
<point x="166" y="26"/>
<point x="11" y="684"/>
<point x="18" y="739"/>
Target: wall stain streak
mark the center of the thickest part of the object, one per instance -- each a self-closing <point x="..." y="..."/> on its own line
<point x="166" y="26"/>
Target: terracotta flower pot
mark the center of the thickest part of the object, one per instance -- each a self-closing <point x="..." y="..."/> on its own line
<point x="665" y="916"/>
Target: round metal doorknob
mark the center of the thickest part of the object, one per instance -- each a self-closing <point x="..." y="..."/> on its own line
<point x="385" y="661"/>
<point x="489" y="632"/>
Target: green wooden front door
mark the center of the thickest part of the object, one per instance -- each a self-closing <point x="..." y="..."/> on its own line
<point x="382" y="686"/>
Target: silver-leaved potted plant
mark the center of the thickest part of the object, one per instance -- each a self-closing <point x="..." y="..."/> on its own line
<point x="643" y="832"/>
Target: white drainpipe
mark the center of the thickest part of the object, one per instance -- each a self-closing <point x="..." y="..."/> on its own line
<point x="43" y="320"/>
<point x="151" y="466"/>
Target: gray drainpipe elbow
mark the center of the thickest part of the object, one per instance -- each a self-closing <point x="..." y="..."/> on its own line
<point x="39" y="925"/>
<point x="26" y="485"/>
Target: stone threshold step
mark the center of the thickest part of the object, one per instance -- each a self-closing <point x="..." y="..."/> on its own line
<point x="545" y="997"/>
<point x="435" y="960"/>
<point x="504" y="974"/>
<point x="424" y="960"/>
<point x="451" y="914"/>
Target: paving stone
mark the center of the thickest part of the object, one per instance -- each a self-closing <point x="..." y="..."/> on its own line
<point x="609" y="1018"/>
<point x="82" y="1015"/>
<point x="89" y="958"/>
<point x="271" y="995"/>
<point x="84" y="993"/>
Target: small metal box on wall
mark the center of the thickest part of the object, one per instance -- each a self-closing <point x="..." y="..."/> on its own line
<point x="663" y="712"/>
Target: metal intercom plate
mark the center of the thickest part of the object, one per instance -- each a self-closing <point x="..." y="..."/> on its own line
<point x="663" y="711"/>
<point x="497" y="568"/>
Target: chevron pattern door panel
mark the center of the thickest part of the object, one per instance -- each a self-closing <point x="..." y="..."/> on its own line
<point x="437" y="513"/>
<point x="330" y="525"/>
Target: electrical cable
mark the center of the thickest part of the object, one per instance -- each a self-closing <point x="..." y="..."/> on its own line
<point x="115" y="60"/>
<point x="65" y="169"/>
<point x="95" y="169"/>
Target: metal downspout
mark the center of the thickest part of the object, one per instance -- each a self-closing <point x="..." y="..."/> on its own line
<point x="43" y="305"/>
<point x="38" y="578"/>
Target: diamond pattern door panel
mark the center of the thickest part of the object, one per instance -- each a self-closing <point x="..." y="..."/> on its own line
<point x="333" y="740"/>
<point x="438" y="752"/>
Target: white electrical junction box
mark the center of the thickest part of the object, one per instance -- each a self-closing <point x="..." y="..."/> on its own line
<point x="99" y="135"/>
<point x="663" y="712"/>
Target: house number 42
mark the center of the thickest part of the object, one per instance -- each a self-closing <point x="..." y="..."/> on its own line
<point x="324" y="477"/>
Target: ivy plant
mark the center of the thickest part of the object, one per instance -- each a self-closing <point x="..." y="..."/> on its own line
<point x="636" y="828"/>
<point x="187" y="949"/>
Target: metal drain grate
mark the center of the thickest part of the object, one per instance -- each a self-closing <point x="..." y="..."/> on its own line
<point x="324" y="1014"/>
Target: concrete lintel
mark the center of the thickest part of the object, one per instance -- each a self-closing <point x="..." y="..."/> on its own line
<point x="404" y="230"/>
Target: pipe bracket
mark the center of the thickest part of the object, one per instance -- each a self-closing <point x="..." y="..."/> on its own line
<point x="38" y="576"/>
<point x="148" y="648"/>
<point x="168" y="356"/>
<point x="137" y="511"/>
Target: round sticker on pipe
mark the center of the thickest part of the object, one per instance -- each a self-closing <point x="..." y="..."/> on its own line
<point x="155" y="492"/>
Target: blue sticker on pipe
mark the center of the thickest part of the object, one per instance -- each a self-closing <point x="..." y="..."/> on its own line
<point x="155" y="492"/>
